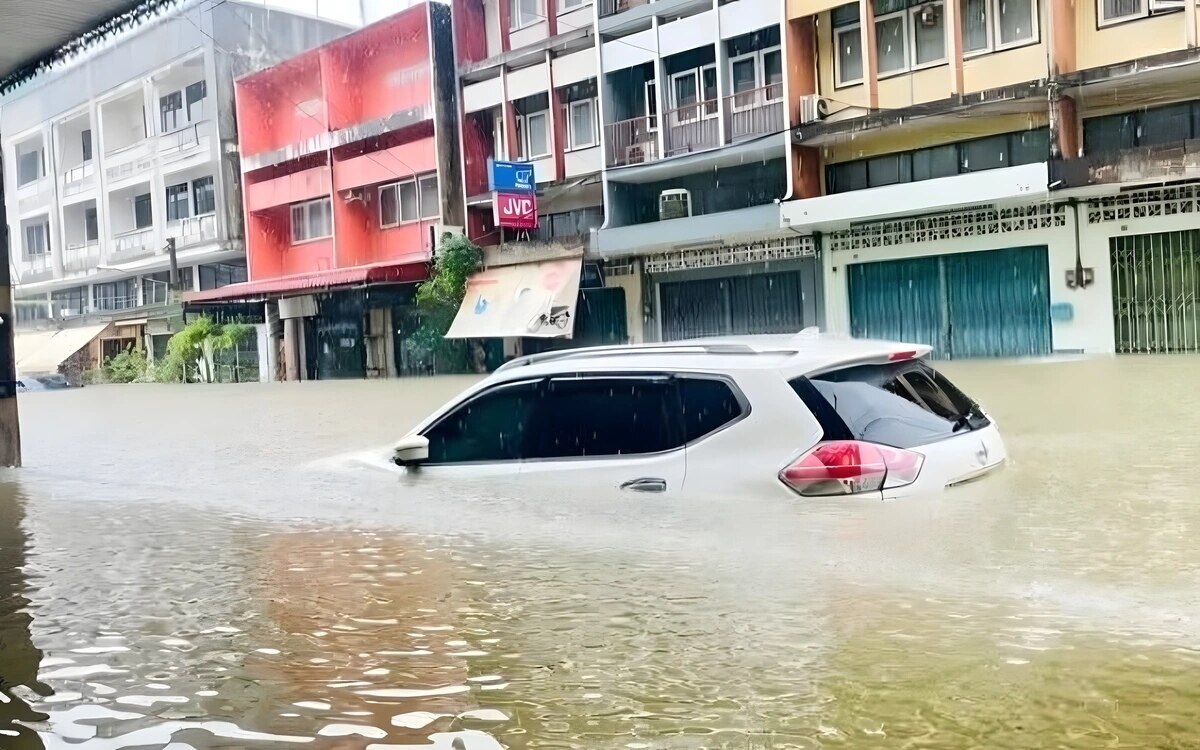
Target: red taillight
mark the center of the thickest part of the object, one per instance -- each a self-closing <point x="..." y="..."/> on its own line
<point x="901" y="356"/>
<point x="848" y="467"/>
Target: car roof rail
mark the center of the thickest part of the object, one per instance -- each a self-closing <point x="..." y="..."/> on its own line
<point x="600" y="351"/>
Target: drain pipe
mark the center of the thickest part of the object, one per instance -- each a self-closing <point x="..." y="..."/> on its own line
<point x="1078" y="277"/>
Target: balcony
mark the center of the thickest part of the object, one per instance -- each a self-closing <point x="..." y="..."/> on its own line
<point x="632" y="141"/>
<point x="754" y="113"/>
<point x="133" y="245"/>
<point x="78" y="179"/>
<point x="194" y="230"/>
<point x="81" y="256"/>
<point x="113" y="304"/>
<point x="37" y="268"/>
<point x="131" y="161"/>
<point x="692" y="128"/>
<point x="612" y="7"/>
<point x="184" y="142"/>
<point x="1179" y="160"/>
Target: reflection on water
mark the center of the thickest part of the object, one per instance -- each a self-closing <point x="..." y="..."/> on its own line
<point x="215" y="567"/>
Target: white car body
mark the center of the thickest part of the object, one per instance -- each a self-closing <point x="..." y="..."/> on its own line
<point x="746" y="455"/>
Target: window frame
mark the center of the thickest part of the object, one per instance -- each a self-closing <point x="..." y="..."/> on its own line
<point x="655" y="116"/>
<point x="184" y="188"/>
<point x="702" y="105"/>
<point x="437" y="207"/>
<point x="515" y="22"/>
<point x="415" y="182"/>
<point x="212" y="184"/>
<point x="838" y="82"/>
<point x="44" y="227"/>
<point x="465" y="403"/>
<point x="523" y="131"/>
<point x="913" y="12"/>
<point x="571" y="107"/>
<point x="179" y="114"/>
<point x="1035" y="28"/>
<point x="565" y="6"/>
<point x="305" y="208"/>
<point x="904" y="16"/>
<point x="150" y="201"/>
<point x="87" y="146"/>
<point x="1143" y="12"/>
<point x="95" y="221"/>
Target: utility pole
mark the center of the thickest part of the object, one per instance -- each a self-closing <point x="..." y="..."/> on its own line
<point x="10" y="427"/>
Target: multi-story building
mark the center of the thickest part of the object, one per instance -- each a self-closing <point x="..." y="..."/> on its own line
<point x="111" y="159"/>
<point x="350" y="165"/>
<point x="1053" y="144"/>
<point x="696" y="99"/>
<point x="529" y="89"/>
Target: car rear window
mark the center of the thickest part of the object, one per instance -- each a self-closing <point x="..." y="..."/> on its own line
<point x="903" y="405"/>
<point x="707" y="404"/>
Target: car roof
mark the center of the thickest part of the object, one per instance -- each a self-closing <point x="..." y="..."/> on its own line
<point x="805" y="353"/>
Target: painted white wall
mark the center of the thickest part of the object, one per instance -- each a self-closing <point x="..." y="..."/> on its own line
<point x="580" y="18"/>
<point x="629" y="51"/>
<point x="687" y="33"/>
<point x="744" y="16"/>
<point x="575" y="67"/>
<point x="528" y="81"/>
<point x="483" y="95"/>
<point x="583" y="162"/>
<point x="528" y="35"/>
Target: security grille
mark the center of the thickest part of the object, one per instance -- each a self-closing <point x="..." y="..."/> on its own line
<point x="1156" y="287"/>
<point x="948" y="226"/>
<point x="783" y="248"/>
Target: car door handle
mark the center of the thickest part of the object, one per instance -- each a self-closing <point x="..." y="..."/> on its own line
<point x="645" y="484"/>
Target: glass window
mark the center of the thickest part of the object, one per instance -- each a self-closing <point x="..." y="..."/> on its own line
<point x="773" y="74"/>
<point x="67" y="302"/>
<point x="195" y="94"/>
<point x="843" y="178"/>
<point x="143" y="214"/>
<point x="744" y="74"/>
<point x="35" y="240"/>
<point x="929" y="34"/>
<point x="983" y="153"/>
<point x="203" y="195"/>
<point x="177" y="202"/>
<point x="651" y="105"/>
<point x="889" y="170"/>
<point x="1029" y="147"/>
<point x="706" y="406"/>
<point x="312" y="220"/>
<point x="889" y="44"/>
<point x="29" y="167"/>
<point x="708" y="76"/>
<point x="1109" y="133"/>
<point x="431" y="205"/>
<point x="171" y="111"/>
<point x="685" y="93"/>
<point x="1120" y="9"/>
<point x="525" y="13"/>
<point x="849" y="55"/>
<point x="1015" y="21"/>
<point x="156" y="288"/>
<point x="91" y="226"/>
<point x="217" y="275"/>
<point x="86" y="143"/>
<point x="490" y="427"/>
<point x="389" y="210"/>
<point x="931" y="163"/>
<point x="583" y="123"/>
<point x="975" y="25"/>
<point x="409" y="208"/>
<point x="1165" y="125"/>
<point x="538" y="134"/>
<point x="588" y="417"/>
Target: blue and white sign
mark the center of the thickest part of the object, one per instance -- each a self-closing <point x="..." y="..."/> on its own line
<point x="512" y="177"/>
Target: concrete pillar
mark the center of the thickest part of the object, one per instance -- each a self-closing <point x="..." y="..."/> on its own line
<point x="1064" y="128"/>
<point x="293" y="342"/>
<point x="505" y="25"/>
<point x="955" y="52"/>
<point x="10" y="428"/>
<point x="1062" y="37"/>
<point x="866" y="14"/>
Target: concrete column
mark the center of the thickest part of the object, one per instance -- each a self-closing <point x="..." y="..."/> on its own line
<point x="293" y="340"/>
<point x="10" y="428"/>
<point x="660" y="93"/>
<point x="1189" y="20"/>
<point x="866" y="15"/>
<point x="1064" y="128"/>
<point x="505" y="25"/>
<point x="955" y="51"/>
<point x="1062" y="37"/>
<point x="558" y="122"/>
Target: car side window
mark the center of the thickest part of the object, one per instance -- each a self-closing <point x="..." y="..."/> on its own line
<point x="605" y="416"/>
<point x="707" y="405"/>
<point x="492" y="426"/>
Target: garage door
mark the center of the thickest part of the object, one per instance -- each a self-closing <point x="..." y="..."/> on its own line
<point x="987" y="304"/>
<point x="760" y="303"/>
<point x="1156" y="292"/>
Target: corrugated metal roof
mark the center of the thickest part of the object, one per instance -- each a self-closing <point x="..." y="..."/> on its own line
<point x="33" y="31"/>
<point x="379" y="273"/>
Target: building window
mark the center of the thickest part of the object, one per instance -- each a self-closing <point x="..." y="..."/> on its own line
<point x="651" y="109"/>
<point x="761" y="69"/>
<point x="177" y="202"/>
<point x="91" y="226"/>
<point x="989" y="25"/>
<point x="398" y="203"/>
<point x="581" y="124"/>
<point x="86" y="143"/>
<point x="37" y="240"/>
<point x="143" y="214"/>
<point x="171" y="112"/>
<point x="195" y="95"/>
<point x="890" y="49"/>
<point x="217" y="275"/>
<point x="533" y="135"/>
<point x="928" y="23"/>
<point x="115" y="295"/>
<point x="525" y="13"/>
<point x="694" y="94"/>
<point x="431" y="204"/>
<point x="312" y="220"/>
<point x="976" y="155"/>
<point x="67" y="302"/>
<point x="30" y="167"/>
<point x="848" y="63"/>
<point x="1112" y="11"/>
<point x="1158" y="126"/>
<point x="203" y="196"/>
<point x="565" y="5"/>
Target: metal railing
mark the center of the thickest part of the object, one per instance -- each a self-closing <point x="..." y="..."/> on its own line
<point x="136" y="243"/>
<point x="109" y="304"/>
<point x="38" y="263"/>
<point x="184" y="139"/>
<point x="611" y="7"/>
<point x="193" y="230"/>
<point x="693" y="127"/>
<point x="80" y="256"/>
<point x="633" y="141"/>
<point x="756" y="112"/>
<point x="78" y="174"/>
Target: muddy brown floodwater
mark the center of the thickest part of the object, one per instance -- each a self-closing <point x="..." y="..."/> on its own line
<point x="229" y="567"/>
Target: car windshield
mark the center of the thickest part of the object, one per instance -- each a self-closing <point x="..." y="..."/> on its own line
<point x="902" y="405"/>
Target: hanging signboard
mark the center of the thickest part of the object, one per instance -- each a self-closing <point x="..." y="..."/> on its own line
<point x="516" y="210"/>
<point x="511" y="177"/>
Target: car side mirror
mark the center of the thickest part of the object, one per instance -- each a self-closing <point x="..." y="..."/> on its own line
<point x="411" y="451"/>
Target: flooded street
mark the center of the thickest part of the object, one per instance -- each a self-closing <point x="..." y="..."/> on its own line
<point x="229" y="566"/>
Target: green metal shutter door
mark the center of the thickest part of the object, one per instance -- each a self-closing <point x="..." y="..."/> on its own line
<point x="999" y="303"/>
<point x="735" y="305"/>
<point x="1156" y="292"/>
<point x="692" y="309"/>
<point x="766" y="303"/>
<point x="898" y="300"/>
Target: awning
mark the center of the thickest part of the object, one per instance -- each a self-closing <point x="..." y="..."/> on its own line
<point x="377" y="273"/>
<point x="528" y="299"/>
<point x="41" y="352"/>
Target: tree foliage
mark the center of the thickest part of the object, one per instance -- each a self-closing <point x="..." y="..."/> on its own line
<point x="190" y="351"/>
<point x="439" y="298"/>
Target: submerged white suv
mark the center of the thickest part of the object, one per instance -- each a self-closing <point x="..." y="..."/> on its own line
<point x="810" y="414"/>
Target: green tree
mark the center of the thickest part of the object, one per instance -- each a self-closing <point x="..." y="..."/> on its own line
<point x="190" y="352"/>
<point x="439" y="298"/>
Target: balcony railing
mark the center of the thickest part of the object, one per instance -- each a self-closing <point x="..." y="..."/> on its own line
<point x="632" y="141"/>
<point x="754" y="113"/>
<point x="135" y="244"/>
<point x="181" y="141"/>
<point x="610" y="7"/>
<point x="193" y="230"/>
<point x="109" y="304"/>
<point x="75" y="179"/>
<point x="81" y="256"/>
<point x="692" y="128"/>
<point x="38" y="263"/>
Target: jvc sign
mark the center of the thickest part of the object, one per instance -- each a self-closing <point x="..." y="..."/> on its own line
<point x="516" y="210"/>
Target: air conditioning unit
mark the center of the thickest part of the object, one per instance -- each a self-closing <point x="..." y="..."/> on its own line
<point x="813" y="108"/>
<point x="354" y="195"/>
<point x="674" y="204"/>
<point x="1166" y="6"/>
